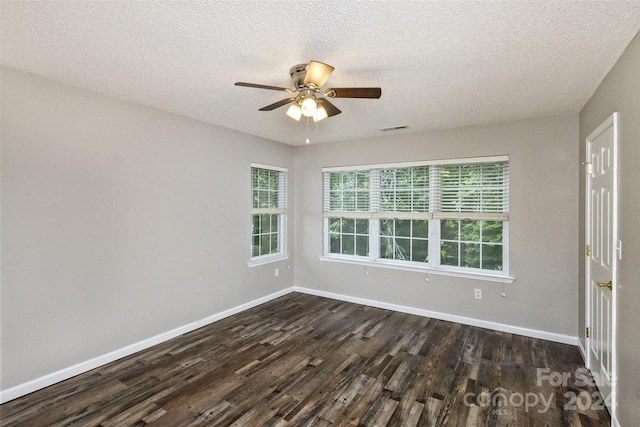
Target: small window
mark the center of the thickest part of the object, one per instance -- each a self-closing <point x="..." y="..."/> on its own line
<point x="268" y="213"/>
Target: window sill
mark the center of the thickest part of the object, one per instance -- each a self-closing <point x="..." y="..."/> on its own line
<point x="267" y="259"/>
<point x="477" y="275"/>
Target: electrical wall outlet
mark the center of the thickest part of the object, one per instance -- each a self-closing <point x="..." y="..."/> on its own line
<point x="478" y="294"/>
<point x="277" y="272"/>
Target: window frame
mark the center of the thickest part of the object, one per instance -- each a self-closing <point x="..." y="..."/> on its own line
<point x="280" y="211"/>
<point x="434" y="216"/>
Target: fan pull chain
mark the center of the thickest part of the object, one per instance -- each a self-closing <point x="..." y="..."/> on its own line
<point x="307" y="141"/>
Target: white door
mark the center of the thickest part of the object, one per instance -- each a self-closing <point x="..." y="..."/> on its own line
<point x="601" y="224"/>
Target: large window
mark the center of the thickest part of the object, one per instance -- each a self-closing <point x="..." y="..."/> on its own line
<point x="449" y="216"/>
<point x="268" y="213"/>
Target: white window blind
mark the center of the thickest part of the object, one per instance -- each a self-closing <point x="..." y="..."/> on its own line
<point x="269" y="191"/>
<point x="346" y="192"/>
<point x="404" y="189"/>
<point x="473" y="190"/>
<point x="479" y="189"/>
<point x="450" y="215"/>
<point x="402" y="192"/>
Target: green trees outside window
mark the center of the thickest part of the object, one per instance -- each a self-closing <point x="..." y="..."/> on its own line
<point x="349" y="236"/>
<point x="349" y="191"/>
<point x="452" y="215"/>
<point x="404" y="239"/>
<point x="471" y="244"/>
<point x="404" y="189"/>
<point x="265" y="235"/>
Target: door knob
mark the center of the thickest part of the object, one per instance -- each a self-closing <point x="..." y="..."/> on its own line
<point x="606" y="285"/>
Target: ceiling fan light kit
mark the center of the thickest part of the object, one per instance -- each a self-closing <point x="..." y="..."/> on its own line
<point x="295" y="112"/>
<point x="317" y="73"/>
<point x="308" y="106"/>
<point x="310" y="100"/>
<point x="320" y="114"/>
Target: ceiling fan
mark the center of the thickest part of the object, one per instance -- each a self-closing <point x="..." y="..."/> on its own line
<point x="308" y="98"/>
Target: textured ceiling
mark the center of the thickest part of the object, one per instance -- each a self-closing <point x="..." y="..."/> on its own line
<point x="440" y="64"/>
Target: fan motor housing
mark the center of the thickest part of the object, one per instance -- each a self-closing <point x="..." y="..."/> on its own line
<point x="298" y="73"/>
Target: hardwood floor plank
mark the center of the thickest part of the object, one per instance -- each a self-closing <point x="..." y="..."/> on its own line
<point x="432" y="410"/>
<point x="380" y="411"/>
<point x="352" y="390"/>
<point x="305" y="360"/>
<point x="206" y="417"/>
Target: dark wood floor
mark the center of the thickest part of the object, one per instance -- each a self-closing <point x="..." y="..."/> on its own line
<point x="304" y="360"/>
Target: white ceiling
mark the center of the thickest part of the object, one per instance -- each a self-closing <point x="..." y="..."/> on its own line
<point x="440" y="64"/>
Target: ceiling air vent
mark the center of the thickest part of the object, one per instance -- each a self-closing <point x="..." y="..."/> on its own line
<point x="394" y="128"/>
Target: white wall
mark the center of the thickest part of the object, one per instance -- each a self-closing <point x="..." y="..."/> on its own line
<point x="543" y="224"/>
<point x="620" y="92"/>
<point x="119" y="222"/>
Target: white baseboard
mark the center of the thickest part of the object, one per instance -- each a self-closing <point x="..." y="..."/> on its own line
<point x="533" y="333"/>
<point x="72" y="371"/>
<point x="583" y="352"/>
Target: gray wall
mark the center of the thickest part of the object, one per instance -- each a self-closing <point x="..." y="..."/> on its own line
<point x="119" y="222"/>
<point x="543" y="224"/>
<point x="620" y="92"/>
<point x="113" y="229"/>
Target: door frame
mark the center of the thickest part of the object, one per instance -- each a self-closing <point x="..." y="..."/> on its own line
<point x="611" y="121"/>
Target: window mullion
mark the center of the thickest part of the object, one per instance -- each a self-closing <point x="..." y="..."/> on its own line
<point x="374" y="206"/>
<point x="434" y="242"/>
<point x="434" y="206"/>
<point x="374" y="238"/>
<point x="374" y="190"/>
<point x="435" y="189"/>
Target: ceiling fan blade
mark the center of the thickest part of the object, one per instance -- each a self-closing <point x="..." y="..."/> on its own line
<point x="284" y="89"/>
<point x="317" y="73"/>
<point x="331" y="109"/>
<point x="354" y="92"/>
<point x="277" y="104"/>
